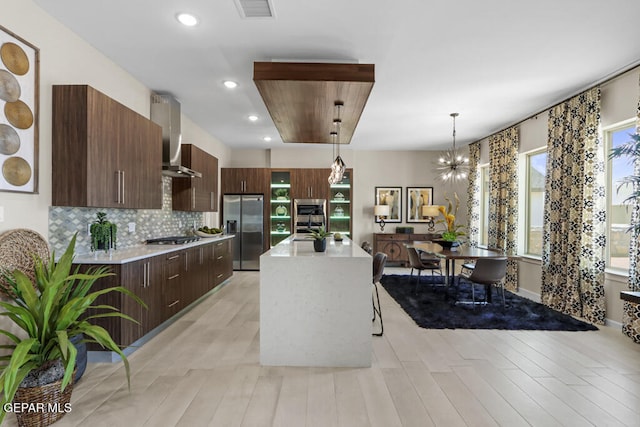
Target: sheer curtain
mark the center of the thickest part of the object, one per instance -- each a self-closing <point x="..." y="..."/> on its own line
<point x="573" y="239"/>
<point x="473" y="195"/>
<point x="503" y="198"/>
<point x="631" y="311"/>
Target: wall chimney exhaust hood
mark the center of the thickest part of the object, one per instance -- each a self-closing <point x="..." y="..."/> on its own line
<point x="165" y="111"/>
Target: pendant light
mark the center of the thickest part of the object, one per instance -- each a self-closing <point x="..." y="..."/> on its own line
<point x="337" y="167"/>
<point x="452" y="165"/>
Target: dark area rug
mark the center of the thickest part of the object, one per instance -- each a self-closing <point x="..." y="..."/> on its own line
<point x="429" y="308"/>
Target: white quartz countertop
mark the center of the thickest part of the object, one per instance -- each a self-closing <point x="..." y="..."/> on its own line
<point x="301" y="245"/>
<point x="123" y="256"/>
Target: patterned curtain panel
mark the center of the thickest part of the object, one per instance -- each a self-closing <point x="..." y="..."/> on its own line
<point x="473" y="193"/>
<point x="503" y="198"/>
<point x="573" y="239"/>
<point x="631" y="311"/>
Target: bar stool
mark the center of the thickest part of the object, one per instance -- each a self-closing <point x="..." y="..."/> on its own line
<point x="379" y="260"/>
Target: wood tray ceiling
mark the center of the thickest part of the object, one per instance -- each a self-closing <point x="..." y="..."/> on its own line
<point x="300" y="97"/>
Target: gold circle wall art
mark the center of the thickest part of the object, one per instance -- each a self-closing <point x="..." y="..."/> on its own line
<point x="19" y="97"/>
<point x="14" y="58"/>
<point x="16" y="171"/>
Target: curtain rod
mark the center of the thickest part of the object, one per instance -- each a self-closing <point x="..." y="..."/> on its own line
<point x="606" y="79"/>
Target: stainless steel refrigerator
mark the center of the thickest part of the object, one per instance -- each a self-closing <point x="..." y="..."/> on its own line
<point x="243" y="217"/>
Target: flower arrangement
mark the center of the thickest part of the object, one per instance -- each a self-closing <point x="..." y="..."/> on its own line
<point x="453" y="231"/>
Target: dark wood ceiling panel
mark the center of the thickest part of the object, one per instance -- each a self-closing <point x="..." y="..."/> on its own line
<point x="300" y="97"/>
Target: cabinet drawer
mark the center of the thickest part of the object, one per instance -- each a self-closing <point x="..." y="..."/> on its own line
<point x="395" y="237"/>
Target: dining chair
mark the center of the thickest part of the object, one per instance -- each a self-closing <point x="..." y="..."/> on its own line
<point x="468" y="266"/>
<point x="420" y="264"/>
<point x="488" y="272"/>
<point x="379" y="261"/>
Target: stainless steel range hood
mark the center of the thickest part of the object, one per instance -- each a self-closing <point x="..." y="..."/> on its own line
<point x="165" y="111"/>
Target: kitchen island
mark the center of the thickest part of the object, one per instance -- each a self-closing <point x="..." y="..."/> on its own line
<point x="315" y="307"/>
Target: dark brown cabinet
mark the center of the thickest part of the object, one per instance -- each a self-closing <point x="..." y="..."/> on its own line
<point x="166" y="283"/>
<point x="171" y="284"/>
<point x="197" y="194"/>
<point x="245" y="180"/>
<point x="222" y="263"/>
<point x="310" y="183"/>
<point x="103" y="153"/>
<point x="143" y="278"/>
<point x="196" y="275"/>
<point x="394" y="244"/>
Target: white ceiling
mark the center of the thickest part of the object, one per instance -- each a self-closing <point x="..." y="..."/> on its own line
<point x="493" y="61"/>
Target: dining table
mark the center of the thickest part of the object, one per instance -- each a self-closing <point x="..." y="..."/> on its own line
<point x="451" y="255"/>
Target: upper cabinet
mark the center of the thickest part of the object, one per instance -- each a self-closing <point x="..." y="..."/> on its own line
<point x="104" y="154"/>
<point x="310" y="183"/>
<point x="197" y="194"/>
<point x="245" y="180"/>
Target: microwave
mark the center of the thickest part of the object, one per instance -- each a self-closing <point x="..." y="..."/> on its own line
<point x="309" y="214"/>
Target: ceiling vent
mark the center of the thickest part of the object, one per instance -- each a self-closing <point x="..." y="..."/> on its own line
<point x="255" y="8"/>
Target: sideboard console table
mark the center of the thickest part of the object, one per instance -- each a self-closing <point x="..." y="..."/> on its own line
<point x="392" y="244"/>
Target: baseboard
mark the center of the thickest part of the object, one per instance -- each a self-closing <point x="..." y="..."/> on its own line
<point x="528" y="295"/>
<point x="613" y="324"/>
<point x="113" y="357"/>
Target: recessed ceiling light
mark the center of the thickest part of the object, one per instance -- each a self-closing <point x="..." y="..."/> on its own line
<point x="267" y="138"/>
<point x="253" y="117"/>
<point x="230" y="84"/>
<point x="187" y="19"/>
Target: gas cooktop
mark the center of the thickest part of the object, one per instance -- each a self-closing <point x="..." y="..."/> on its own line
<point x="172" y="240"/>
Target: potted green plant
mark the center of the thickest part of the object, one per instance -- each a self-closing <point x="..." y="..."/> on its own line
<point x="453" y="231"/>
<point x="103" y="233"/>
<point x="319" y="238"/>
<point x="39" y="366"/>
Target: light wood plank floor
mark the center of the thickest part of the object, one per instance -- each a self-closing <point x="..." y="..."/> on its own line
<point x="203" y="371"/>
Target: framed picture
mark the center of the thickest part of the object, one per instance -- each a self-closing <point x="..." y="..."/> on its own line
<point x="416" y="198"/>
<point x="391" y="196"/>
<point x="19" y="94"/>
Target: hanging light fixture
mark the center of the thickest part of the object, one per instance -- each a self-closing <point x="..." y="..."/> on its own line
<point x="337" y="167"/>
<point x="452" y="165"/>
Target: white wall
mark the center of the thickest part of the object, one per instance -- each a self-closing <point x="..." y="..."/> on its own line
<point x="67" y="59"/>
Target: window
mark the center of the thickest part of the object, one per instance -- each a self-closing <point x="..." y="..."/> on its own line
<point x="618" y="213"/>
<point x="534" y="204"/>
<point x="483" y="238"/>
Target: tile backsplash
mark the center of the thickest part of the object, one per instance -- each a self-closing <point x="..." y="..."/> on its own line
<point x="149" y="223"/>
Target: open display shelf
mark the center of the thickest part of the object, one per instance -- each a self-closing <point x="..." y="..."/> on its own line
<point x="339" y="215"/>
<point x="280" y="207"/>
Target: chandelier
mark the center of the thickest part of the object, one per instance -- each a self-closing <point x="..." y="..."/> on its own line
<point x="337" y="167"/>
<point x="452" y="165"/>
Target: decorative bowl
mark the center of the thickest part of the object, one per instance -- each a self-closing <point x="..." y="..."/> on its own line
<point x="203" y="234"/>
<point x="446" y="244"/>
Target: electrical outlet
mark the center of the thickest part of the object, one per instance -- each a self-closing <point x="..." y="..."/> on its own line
<point x="89" y="229"/>
<point x="132" y="227"/>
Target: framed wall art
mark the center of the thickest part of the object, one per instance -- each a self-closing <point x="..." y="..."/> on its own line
<point x="391" y="196"/>
<point x="19" y="97"/>
<point x="416" y="198"/>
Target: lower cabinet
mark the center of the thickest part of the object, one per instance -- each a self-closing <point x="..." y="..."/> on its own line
<point x="166" y="283"/>
<point x="222" y="267"/>
<point x="172" y="284"/>
<point x="143" y="278"/>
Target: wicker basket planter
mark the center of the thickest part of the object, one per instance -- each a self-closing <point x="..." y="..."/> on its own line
<point x="47" y="404"/>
